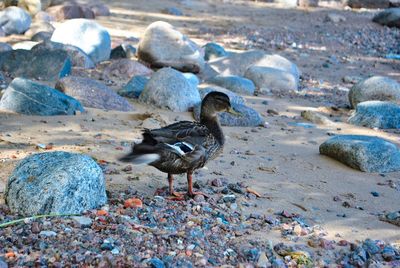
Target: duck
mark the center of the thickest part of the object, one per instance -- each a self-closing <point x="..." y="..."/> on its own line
<point x="184" y="146"/>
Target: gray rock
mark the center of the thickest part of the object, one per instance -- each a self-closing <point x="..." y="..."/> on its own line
<point x="55" y="182"/>
<point x="48" y="234"/>
<point x="315" y="117"/>
<point x="238" y="63"/>
<point x="78" y="57"/>
<point x="92" y="93"/>
<point x="125" y="69"/>
<point x="366" y="153"/>
<point x="376" y="114"/>
<point x="375" y="88"/>
<point x="82" y="221"/>
<point x="100" y="9"/>
<point x="14" y="20"/>
<point x="168" y="88"/>
<point x="164" y="46"/>
<point x="39" y="26"/>
<point x="42" y="37"/>
<point x="394" y="3"/>
<point x="5" y="47"/>
<point x="39" y="65"/>
<point x="134" y="87"/>
<point x="213" y="51"/>
<point x="389" y="17"/>
<point x="86" y="34"/>
<point x="249" y="117"/>
<point x="234" y="83"/>
<point x="192" y="79"/>
<point x="269" y="79"/>
<point x="335" y="18"/>
<point x="27" y="97"/>
<point x="368" y="3"/>
<point x="43" y="16"/>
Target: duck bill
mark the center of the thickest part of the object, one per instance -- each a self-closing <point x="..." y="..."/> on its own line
<point x="231" y="111"/>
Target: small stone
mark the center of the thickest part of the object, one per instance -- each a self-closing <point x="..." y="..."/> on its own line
<point x="35" y="227"/>
<point x="375" y="194"/>
<point x="263" y="261"/>
<point x="229" y="198"/>
<point x="213" y="51"/>
<point x="156" y="263"/>
<point x="172" y="11"/>
<point x="199" y="198"/>
<point x="83" y="222"/>
<point x="272" y="112"/>
<point x="48" y="233"/>
<point x="217" y="183"/>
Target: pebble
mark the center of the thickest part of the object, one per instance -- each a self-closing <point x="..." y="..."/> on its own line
<point x="48" y="233"/>
<point x="375" y="194"/>
<point x="82" y="221"/>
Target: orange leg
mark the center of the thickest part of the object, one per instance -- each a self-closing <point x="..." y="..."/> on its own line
<point x="190" y="191"/>
<point x="171" y="186"/>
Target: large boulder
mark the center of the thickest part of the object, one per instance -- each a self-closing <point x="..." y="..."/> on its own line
<point x="375" y="88"/>
<point x="389" y="17"/>
<point x="78" y="57"/>
<point x="248" y="117"/>
<point x="376" y="114"/>
<point x="55" y="183"/>
<point x="30" y="98"/>
<point x="14" y="20"/>
<point x="37" y="64"/>
<point x="168" y="88"/>
<point x="269" y="79"/>
<point x="88" y="35"/>
<point x="92" y="93"/>
<point x="234" y="83"/>
<point x="163" y="46"/>
<point x="366" y="153"/>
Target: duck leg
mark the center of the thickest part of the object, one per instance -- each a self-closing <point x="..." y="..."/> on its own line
<point x="190" y="191"/>
<point x="171" y="186"/>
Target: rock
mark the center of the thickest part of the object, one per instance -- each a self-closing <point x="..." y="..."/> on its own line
<point x="78" y="57"/>
<point x="389" y="17"/>
<point x="43" y="16"/>
<point x="172" y="11"/>
<point x="5" y="47"/>
<point x="164" y="46"/>
<point x="134" y="87"/>
<point x="82" y="221"/>
<point x="40" y="26"/>
<point x="368" y="3"/>
<point x="92" y="93"/>
<point x="315" y="117"/>
<point x="27" y="45"/>
<point x="376" y="114"/>
<point x="88" y="35"/>
<point x="249" y="117"/>
<point x="156" y="263"/>
<point x="366" y="153"/>
<point x="394" y="3"/>
<point x="14" y="20"/>
<point x="375" y="88"/>
<point x="168" y="88"/>
<point x="34" y="6"/>
<point x="55" y="182"/>
<point x="269" y="79"/>
<point x="234" y="83"/>
<point x="213" y="51"/>
<point x="307" y="3"/>
<point x="123" y="51"/>
<point x="239" y="63"/>
<point x="47" y="233"/>
<point x="192" y="79"/>
<point x="125" y="69"/>
<point x="27" y="97"/>
<point x="263" y="261"/>
<point x="70" y="11"/>
<point x="41" y="37"/>
<point x="100" y="9"/>
<point x="335" y="18"/>
<point x="38" y="64"/>
<point x="2" y="33"/>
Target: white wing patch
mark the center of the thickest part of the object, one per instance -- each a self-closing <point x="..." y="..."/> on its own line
<point x="181" y="148"/>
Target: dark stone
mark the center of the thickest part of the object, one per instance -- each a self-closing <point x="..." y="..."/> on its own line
<point x="213" y="51"/>
<point x="365" y="153"/>
<point x="38" y="64"/>
<point x="123" y="51"/>
<point x="55" y="182"/>
<point x="27" y="97"/>
<point x="172" y="11"/>
<point x="376" y="114"/>
<point x="389" y="17"/>
<point x="70" y="11"/>
<point x="134" y="87"/>
<point x="41" y="36"/>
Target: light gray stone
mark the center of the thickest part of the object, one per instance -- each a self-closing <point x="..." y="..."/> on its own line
<point x="14" y="20"/>
<point x="376" y="114"/>
<point x="234" y="83"/>
<point x="55" y="182"/>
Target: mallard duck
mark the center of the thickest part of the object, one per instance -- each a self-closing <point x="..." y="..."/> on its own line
<point x="184" y="146"/>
